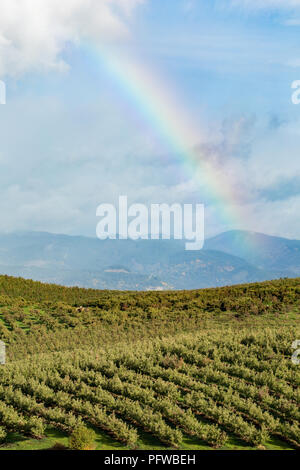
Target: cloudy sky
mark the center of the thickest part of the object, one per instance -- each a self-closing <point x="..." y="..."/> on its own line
<point x="74" y="134"/>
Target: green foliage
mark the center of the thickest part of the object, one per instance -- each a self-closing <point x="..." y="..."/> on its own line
<point x="2" y="434"/>
<point x="82" y="438"/>
<point x="207" y="364"/>
<point x="38" y="318"/>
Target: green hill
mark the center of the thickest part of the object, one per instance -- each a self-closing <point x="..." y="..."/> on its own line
<point x="195" y="369"/>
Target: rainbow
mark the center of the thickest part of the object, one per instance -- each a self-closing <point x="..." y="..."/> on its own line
<point x="168" y="117"/>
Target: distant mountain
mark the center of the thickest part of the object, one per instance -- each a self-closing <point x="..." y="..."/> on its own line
<point x="277" y="255"/>
<point x="230" y="258"/>
<point x="208" y="268"/>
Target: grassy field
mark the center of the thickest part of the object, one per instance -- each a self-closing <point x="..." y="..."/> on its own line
<point x="207" y="369"/>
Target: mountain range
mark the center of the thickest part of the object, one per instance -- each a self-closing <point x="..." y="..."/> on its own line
<point x="232" y="257"/>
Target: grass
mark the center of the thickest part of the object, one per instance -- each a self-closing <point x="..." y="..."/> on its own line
<point x="114" y="319"/>
<point x="146" y="442"/>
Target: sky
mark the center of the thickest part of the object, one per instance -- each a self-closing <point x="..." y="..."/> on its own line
<point x="100" y="92"/>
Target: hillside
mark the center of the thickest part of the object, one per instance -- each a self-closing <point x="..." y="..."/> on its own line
<point x="150" y="370"/>
<point x="274" y="254"/>
<point x="231" y="258"/>
<point x="34" y="315"/>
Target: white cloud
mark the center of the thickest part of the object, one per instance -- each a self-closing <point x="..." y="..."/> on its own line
<point x="274" y="217"/>
<point x="33" y="33"/>
<point x="56" y="168"/>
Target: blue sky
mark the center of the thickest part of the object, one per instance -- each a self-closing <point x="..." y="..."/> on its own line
<point x="70" y="138"/>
